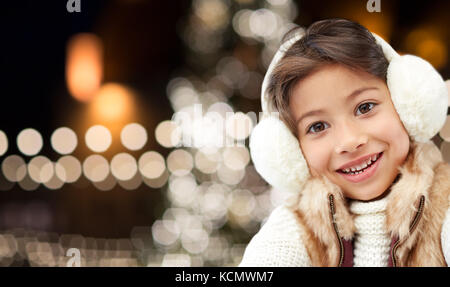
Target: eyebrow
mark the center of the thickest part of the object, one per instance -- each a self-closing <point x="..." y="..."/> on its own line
<point x="354" y="94"/>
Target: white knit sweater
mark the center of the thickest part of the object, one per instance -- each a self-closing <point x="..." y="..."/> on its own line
<point x="372" y="241"/>
<point x="278" y="243"/>
<point x="445" y="237"/>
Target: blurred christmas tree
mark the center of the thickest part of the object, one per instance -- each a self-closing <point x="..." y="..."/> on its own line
<point x="216" y="201"/>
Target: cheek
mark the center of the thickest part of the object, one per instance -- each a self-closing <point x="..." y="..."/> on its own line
<point x="316" y="155"/>
<point x="391" y="130"/>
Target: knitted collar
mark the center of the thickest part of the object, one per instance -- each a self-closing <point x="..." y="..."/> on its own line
<point x="362" y="207"/>
<point x="416" y="176"/>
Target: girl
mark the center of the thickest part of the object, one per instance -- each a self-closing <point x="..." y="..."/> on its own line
<point x="353" y="146"/>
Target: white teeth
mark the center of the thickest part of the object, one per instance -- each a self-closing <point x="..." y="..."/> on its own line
<point x="358" y="169"/>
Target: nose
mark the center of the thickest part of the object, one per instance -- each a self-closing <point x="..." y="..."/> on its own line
<point x="350" y="138"/>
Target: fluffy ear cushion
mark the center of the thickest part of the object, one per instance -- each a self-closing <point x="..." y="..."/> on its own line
<point x="277" y="156"/>
<point x="419" y="95"/>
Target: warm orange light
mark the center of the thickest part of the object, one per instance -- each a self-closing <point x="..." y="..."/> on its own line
<point x="381" y="27"/>
<point x="434" y="51"/>
<point x="379" y="23"/>
<point x="426" y="43"/>
<point x="84" y="66"/>
<point x="112" y="103"/>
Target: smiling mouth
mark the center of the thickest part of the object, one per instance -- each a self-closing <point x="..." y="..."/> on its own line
<point x="356" y="172"/>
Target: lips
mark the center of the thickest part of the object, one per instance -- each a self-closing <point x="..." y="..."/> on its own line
<point x="363" y="165"/>
<point x="364" y="174"/>
<point x="359" y="163"/>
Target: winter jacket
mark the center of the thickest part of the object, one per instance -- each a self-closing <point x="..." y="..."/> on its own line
<point x="317" y="228"/>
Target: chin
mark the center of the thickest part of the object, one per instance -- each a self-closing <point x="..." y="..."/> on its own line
<point x="363" y="196"/>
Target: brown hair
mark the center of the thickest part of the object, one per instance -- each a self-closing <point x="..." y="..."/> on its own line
<point x="324" y="42"/>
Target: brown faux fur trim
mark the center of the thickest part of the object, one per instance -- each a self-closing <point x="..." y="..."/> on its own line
<point x="416" y="179"/>
<point x="314" y="213"/>
<point x="423" y="247"/>
<point x="317" y="250"/>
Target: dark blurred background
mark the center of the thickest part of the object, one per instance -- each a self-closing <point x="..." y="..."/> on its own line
<point x="141" y="48"/>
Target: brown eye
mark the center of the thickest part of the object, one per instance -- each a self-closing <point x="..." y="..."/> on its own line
<point x="316" y="127"/>
<point x="365" y="108"/>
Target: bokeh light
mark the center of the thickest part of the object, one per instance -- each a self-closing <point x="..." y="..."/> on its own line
<point x="41" y="169"/>
<point x="64" y="140"/>
<point x="222" y="108"/>
<point x="236" y="158"/>
<point x="233" y="70"/>
<point x="194" y="239"/>
<point x="96" y="168"/>
<point x="151" y="165"/>
<point x="68" y="169"/>
<point x="3" y="143"/>
<point x="165" y="232"/>
<point x="180" y="162"/>
<point x="428" y="44"/>
<point x="98" y="138"/>
<point x="182" y="190"/>
<point x="168" y="134"/>
<point x="285" y="9"/>
<point x="133" y="136"/>
<point x="14" y="168"/>
<point x="263" y="23"/>
<point x="123" y="166"/>
<point x="213" y="202"/>
<point x="241" y="23"/>
<point x="207" y="162"/>
<point x="242" y="202"/>
<point x="213" y="13"/>
<point x="84" y="66"/>
<point x="230" y="176"/>
<point x="181" y="93"/>
<point x="29" y="142"/>
<point x="239" y="126"/>
<point x="113" y="103"/>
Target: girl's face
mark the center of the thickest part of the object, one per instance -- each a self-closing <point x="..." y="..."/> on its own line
<point x="346" y="120"/>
